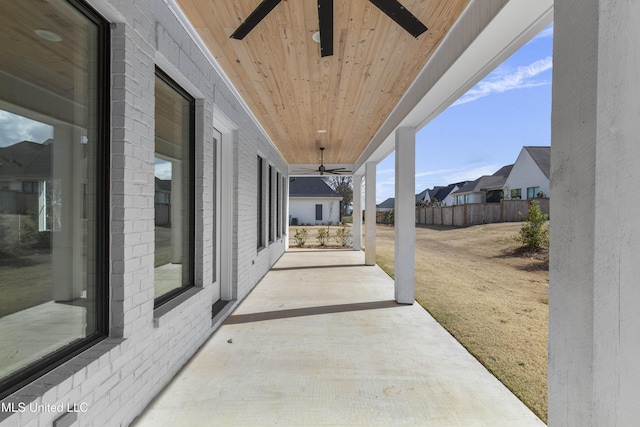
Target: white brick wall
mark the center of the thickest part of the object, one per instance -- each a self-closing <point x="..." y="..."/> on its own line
<point x="118" y="377"/>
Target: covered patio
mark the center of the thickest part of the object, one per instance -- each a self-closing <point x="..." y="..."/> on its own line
<point x="321" y="341"/>
<point x="325" y="337"/>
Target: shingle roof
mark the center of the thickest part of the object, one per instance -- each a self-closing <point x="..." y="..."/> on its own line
<point x="310" y="187"/>
<point x="486" y="182"/>
<point x="389" y="203"/>
<point x="441" y="193"/>
<point x="26" y="160"/>
<point x="420" y="196"/>
<point x="163" y="184"/>
<point x="542" y="157"/>
<point x="469" y="187"/>
<point x="504" y="171"/>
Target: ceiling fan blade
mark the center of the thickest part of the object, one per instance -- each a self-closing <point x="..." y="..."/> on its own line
<point x="402" y="16"/>
<point x="337" y="171"/>
<point x="325" y="20"/>
<point x="256" y="16"/>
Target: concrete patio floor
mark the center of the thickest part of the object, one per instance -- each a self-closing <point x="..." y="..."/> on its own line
<point x="320" y="341"/>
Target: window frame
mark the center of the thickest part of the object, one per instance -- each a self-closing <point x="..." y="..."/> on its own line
<point x="270" y="205"/>
<point x="31" y="372"/>
<point x="534" y="193"/>
<point x="191" y="162"/>
<point x="278" y="206"/>
<point x="516" y="194"/>
<point x="260" y="201"/>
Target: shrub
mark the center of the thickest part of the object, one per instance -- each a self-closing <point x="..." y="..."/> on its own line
<point x="389" y="217"/>
<point x="301" y="237"/>
<point x="322" y="236"/>
<point x="534" y="234"/>
<point x="343" y="236"/>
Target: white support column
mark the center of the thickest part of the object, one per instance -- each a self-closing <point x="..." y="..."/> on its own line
<point x="285" y="200"/>
<point x="177" y="194"/>
<point x="405" y="215"/>
<point x="69" y="270"/>
<point x="370" y="214"/>
<point x="594" y="374"/>
<point x="356" y="230"/>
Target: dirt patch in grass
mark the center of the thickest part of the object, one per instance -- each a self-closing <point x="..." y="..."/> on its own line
<point x="488" y="294"/>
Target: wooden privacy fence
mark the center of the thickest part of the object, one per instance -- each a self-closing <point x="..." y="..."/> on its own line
<point x="473" y="213"/>
<point x="478" y="213"/>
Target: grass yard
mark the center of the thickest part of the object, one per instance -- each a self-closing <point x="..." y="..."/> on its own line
<point x="487" y="294"/>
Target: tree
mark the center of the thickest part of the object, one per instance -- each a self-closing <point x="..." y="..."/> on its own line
<point x="343" y="185"/>
<point x="534" y="234"/>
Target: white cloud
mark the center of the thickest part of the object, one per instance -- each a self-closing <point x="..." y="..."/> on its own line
<point x="501" y="81"/>
<point x="435" y="172"/>
<point x="386" y="172"/>
<point x="14" y="129"/>
<point x="162" y="169"/>
<point x="469" y="174"/>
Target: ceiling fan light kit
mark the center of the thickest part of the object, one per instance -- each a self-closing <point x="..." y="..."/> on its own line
<point x="392" y="8"/>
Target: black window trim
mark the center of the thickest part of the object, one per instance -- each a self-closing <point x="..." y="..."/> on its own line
<point x="270" y="205"/>
<point x="278" y="206"/>
<point x="163" y="299"/>
<point x="35" y="370"/>
<point x="260" y="203"/>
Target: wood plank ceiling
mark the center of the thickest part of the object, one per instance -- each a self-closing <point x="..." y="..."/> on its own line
<point x="294" y="92"/>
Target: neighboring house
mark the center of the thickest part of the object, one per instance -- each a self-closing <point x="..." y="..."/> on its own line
<point x="387" y="205"/>
<point x="26" y="161"/>
<point x="440" y="195"/>
<point x="312" y="201"/>
<point x="25" y="181"/>
<point x="486" y="189"/>
<point x="529" y="177"/>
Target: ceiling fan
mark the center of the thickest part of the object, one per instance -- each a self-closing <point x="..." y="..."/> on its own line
<point x="323" y="170"/>
<point x="391" y="8"/>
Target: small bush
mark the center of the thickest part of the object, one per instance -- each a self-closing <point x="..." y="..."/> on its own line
<point x="301" y="237"/>
<point x="389" y="217"/>
<point x="343" y="236"/>
<point x="322" y="236"/>
<point x="534" y="235"/>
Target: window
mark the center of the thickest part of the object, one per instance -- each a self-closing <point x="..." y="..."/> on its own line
<point x="175" y="183"/>
<point x="271" y="204"/>
<point x="54" y="225"/>
<point x="260" y="215"/>
<point x="285" y="220"/>
<point x="278" y="206"/>
<point x="460" y="200"/>
<point x="532" y="192"/>
<point x="318" y="212"/>
<point x="468" y="198"/>
<point x="516" y="194"/>
<point x="30" y="187"/>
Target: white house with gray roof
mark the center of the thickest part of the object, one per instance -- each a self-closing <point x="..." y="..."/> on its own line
<point x="529" y="177"/>
<point x="312" y="201"/>
<point x="486" y="189"/>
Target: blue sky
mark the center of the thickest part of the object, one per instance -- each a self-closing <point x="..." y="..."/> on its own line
<point x="488" y="126"/>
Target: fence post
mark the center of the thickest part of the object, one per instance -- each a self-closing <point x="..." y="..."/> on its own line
<point x="464" y="215"/>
